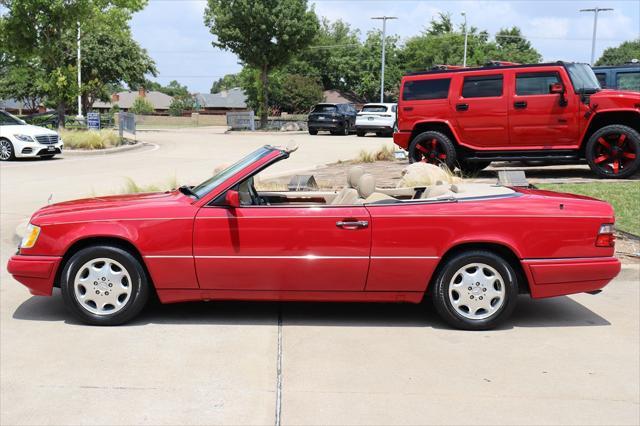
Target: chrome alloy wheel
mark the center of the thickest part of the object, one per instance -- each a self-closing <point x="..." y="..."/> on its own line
<point x="477" y="291"/>
<point x="5" y="149"/>
<point x="102" y="286"/>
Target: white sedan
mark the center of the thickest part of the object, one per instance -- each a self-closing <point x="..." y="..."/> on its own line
<point x="19" y="139"/>
<point x="378" y="118"/>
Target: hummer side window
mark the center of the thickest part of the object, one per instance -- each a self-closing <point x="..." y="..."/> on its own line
<point x="485" y="86"/>
<point x="535" y="83"/>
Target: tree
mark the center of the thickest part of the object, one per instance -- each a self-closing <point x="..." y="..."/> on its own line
<point x="264" y="34"/>
<point x="46" y="31"/>
<point x="142" y="106"/>
<point x="227" y="82"/>
<point x="17" y="81"/>
<point x="179" y="104"/>
<point x="111" y="57"/>
<point x="172" y="89"/>
<point x="621" y="54"/>
<point x="512" y="46"/>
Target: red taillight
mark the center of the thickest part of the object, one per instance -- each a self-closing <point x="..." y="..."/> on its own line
<point x="605" y="237"/>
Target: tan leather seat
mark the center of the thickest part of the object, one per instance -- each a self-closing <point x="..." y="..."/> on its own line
<point x="348" y="194"/>
<point x="367" y="190"/>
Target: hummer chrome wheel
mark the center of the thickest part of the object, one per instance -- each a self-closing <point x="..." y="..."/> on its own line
<point x="102" y="286"/>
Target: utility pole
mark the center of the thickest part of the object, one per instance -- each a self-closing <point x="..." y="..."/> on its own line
<point x="595" y="11"/>
<point x="466" y="34"/>
<point x="79" y="76"/>
<point x="384" y="39"/>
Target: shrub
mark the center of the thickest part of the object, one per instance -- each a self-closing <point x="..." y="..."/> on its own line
<point x="142" y="106"/>
<point x="385" y="153"/>
<point x="82" y="139"/>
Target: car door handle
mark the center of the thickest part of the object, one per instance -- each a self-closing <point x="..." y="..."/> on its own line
<point x="408" y="108"/>
<point x="462" y="107"/>
<point x="520" y="104"/>
<point x="356" y="224"/>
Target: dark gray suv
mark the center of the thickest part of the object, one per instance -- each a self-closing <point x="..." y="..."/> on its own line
<point x="339" y="119"/>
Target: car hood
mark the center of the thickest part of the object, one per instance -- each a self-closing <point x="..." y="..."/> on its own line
<point x="26" y="129"/>
<point x="113" y="206"/>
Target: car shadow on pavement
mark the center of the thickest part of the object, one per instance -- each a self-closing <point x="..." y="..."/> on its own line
<point x="556" y="312"/>
<point x="550" y="172"/>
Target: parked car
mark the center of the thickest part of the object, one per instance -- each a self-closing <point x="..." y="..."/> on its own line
<point x="470" y="117"/>
<point x="339" y="119"/>
<point x="19" y="139"/>
<point x="378" y="118"/>
<point x="224" y="240"/>
<point x="622" y="77"/>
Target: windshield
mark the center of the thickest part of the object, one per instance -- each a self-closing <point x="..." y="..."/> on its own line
<point x="583" y="78"/>
<point x="7" y="119"/>
<point x="205" y="187"/>
<point x="325" y="108"/>
<point x="374" y="108"/>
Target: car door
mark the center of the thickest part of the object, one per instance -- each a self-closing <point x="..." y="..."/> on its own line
<point x="540" y="119"/>
<point x="282" y="248"/>
<point x="480" y="109"/>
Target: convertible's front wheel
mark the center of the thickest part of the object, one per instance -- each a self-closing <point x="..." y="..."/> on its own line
<point x="104" y="285"/>
<point x="475" y="290"/>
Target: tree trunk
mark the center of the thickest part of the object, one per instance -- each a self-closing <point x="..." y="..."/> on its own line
<point x="60" y="110"/>
<point x="264" y="111"/>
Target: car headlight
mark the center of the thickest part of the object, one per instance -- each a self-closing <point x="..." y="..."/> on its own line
<point x="24" y="138"/>
<point x="31" y="236"/>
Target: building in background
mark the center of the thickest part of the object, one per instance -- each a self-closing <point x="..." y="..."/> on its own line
<point x="341" y="97"/>
<point x="124" y="100"/>
<point x="221" y="102"/>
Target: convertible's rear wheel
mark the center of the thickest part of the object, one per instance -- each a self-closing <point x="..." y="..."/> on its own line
<point x="475" y="290"/>
<point x="104" y="285"/>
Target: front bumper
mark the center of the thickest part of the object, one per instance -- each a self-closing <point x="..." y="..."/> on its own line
<point x="558" y="277"/>
<point x="37" y="273"/>
<point x="32" y="150"/>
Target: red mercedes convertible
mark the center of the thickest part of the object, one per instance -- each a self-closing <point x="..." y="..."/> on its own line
<point x="472" y="248"/>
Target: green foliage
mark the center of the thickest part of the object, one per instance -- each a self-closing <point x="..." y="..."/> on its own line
<point x="264" y="34"/>
<point x="227" y="82"/>
<point x="179" y="104"/>
<point x="90" y="139"/>
<point x="115" y="108"/>
<point x="621" y="54"/>
<point x="45" y="31"/>
<point x="142" y="106"/>
<point x="18" y="82"/>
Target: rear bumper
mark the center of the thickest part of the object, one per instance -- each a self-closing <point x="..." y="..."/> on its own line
<point x="374" y="127"/>
<point x="326" y="125"/>
<point x="558" y="277"/>
<point x="402" y="139"/>
<point x="37" y="273"/>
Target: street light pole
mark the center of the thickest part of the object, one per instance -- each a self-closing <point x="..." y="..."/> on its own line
<point x="466" y="34"/>
<point x="79" y="76"/>
<point x="595" y="11"/>
<point x="384" y="39"/>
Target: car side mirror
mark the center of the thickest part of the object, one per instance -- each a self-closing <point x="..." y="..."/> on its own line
<point x="232" y="199"/>
<point x="556" y="88"/>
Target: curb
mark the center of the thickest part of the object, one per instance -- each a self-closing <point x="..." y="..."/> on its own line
<point x="107" y="151"/>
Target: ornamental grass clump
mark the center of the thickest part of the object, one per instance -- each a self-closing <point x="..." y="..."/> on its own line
<point x="90" y="139"/>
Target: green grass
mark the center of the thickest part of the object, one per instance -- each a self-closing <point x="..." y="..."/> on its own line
<point x="85" y="139"/>
<point x="623" y="196"/>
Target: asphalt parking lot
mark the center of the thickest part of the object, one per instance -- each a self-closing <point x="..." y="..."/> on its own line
<point x="569" y="360"/>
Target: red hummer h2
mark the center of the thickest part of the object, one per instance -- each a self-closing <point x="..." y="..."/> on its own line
<point x="553" y="112"/>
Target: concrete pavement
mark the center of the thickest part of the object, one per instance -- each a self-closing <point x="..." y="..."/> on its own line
<point x="569" y="360"/>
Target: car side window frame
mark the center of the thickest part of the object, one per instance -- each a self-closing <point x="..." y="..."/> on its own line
<point x="556" y="74"/>
<point x="484" y="77"/>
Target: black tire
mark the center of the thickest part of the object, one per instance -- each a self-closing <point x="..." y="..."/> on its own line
<point x="613" y="152"/>
<point x="360" y="133"/>
<point x="345" y="129"/>
<point x="440" y="152"/>
<point x="471" y="168"/>
<point x="450" y="270"/>
<point x="7" y="145"/>
<point x="47" y="157"/>
<point x="313" y="131"/>
<point x="139" y="293"/>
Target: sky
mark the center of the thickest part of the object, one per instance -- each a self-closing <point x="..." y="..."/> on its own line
<point x="175" y="36"/>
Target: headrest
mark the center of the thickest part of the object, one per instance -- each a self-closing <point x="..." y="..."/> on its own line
<point x="353" y="176"/>
<point x="367" y="185"/>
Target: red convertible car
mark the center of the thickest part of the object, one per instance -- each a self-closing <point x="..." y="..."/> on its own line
<point x="472" y="248"/>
